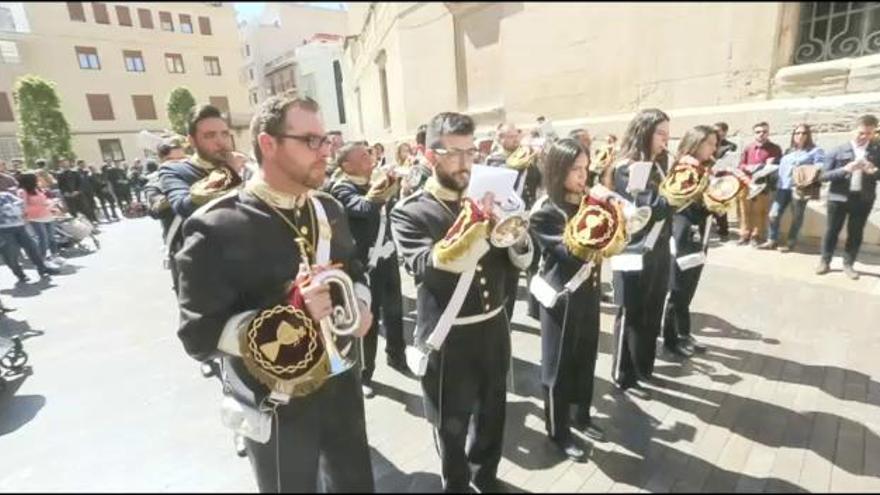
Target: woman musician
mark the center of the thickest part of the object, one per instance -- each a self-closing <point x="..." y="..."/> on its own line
<point x="684" y="189"/>
<point x="570" y="327"/>
<point x="641" y="273"/>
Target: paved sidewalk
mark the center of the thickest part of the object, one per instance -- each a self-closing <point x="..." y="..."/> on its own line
<point x="786" y="399"/>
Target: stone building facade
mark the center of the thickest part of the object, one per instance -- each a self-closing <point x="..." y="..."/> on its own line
<point x="594" y="65"/>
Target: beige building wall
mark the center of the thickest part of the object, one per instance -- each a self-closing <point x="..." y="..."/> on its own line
<point x="48" y="51"/>
<point x="275" y="35"/>
<point x="595" y="65"/>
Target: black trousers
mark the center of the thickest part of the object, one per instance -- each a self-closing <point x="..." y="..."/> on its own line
<point x="511" y="286"/>
<point x="123" y="196"/>
<point x="467" y="381"/>
<point x="88" y="207"/>
<point x="576" y="371"/>
<point x="854" y="211"/>
<point x="387" y="304"/>
<point x="322" y="436"/>
<point x="108" y="200"/>
<point x="721" y="222"/>
<point x="639" y="316"/>
<point x="677" y="318"/>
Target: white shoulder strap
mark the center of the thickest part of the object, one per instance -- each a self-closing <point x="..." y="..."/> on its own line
<point x="322" y="251"/>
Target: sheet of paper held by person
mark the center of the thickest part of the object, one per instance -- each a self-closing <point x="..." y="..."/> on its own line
<point x="639" y="172"/>
<point x="496" y="180"/>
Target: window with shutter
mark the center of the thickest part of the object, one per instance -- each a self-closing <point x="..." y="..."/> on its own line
<point x="76" y="11"/>
<point x="88" y="57"/>
<point x="144" y="108"/>
<point x="5" y="109"/>
<point x="146" y="18"/>
<point x="134" y="61"/>
<point x="212" y="66"/>
<point x="186" y="24"/>
<point x="100" y="107"/>
<point x="99" y="9"/>
<point x="123" y="15"/>
<point x="165" y="21"/>
<point x="205" y="25"/>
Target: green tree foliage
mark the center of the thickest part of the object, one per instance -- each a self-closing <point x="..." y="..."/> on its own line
<point x="180" y="102"/>
<point x="43" y="130"/>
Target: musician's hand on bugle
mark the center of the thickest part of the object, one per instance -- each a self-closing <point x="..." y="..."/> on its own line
<point x="316" y="297"/>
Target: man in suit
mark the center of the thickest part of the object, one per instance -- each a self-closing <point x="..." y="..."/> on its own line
<point x="851" y="169"/>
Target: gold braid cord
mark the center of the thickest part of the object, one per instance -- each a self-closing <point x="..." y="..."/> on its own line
<point x="470" y="226"/>
<point x="597" y="230"/>
<point x="684" y="183"/>
<point x="283" y="350"/>
<point x="217" y="183"/>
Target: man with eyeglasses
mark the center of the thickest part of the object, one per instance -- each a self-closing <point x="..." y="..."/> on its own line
<point x="209" y="136"/>
<point x="753" y="212"/>
<point x="367" y="203"/>
<point x="248" y="297"/>
<point x="461" y="345"/>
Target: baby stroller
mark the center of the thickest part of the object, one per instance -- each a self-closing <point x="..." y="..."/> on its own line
<point x="71" y="231"/>
<point x="13" y="359"/>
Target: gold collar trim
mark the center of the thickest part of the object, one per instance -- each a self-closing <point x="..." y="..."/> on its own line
<point x="258" y="187"/>
<point x="358" y="181"/>
<point x="440" y="192"/>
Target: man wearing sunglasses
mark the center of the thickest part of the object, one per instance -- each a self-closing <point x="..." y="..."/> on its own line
<point x="242" y="265"/>
<point x="753" y="213"/>
<point x="462" y="340"/>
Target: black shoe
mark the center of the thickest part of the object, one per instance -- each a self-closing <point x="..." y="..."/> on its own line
<point x="639" y="392"/>
<point x="690" y="344"/>
<point x="23" y="280"/>
<point x="398" y="362"/>
<point x="677" y="350"/>
<point x="240" y="449"/>
<point x="591" y="430"/>
<point x="570" y="450"/>
<point x="823" y="268"/>
<point x="4" y="310"/>
<point x="49" y="270"/>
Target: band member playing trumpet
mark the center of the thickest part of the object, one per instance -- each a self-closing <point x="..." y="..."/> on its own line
<point x="570" y="325"/>
<point x="462" y="342"/>
<point x="250" y="294"/>
<point x="367" y="208"/>
<point x="641" y="273"/>
<point x="189" y="183"/>
<point x="685" y="185"/>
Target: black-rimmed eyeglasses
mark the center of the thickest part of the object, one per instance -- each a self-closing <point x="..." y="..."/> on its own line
<point x="312" y="141"/>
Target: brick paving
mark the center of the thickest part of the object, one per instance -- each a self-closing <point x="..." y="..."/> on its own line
<point x="785" y="400"/>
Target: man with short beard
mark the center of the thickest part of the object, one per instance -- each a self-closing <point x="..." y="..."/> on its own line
<point x="241" y="271"/>
<point x="443" y="241"/>
<point x="209" y="136"/>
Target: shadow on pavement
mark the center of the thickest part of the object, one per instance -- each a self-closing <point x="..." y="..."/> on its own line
<point x="389" y="479"/>
<point x="29" y="289"/>
<point x="712" y="326"/>
<point x="10" y="327"/>
<point x="17" y="410"/>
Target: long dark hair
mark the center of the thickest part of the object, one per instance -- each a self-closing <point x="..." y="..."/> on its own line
<point x="693" y="139"/>
<point x="558" y="161"/>
<point x="636" y="144"/>
<point x="28" y="182"/>
<point x="807" y="145"/>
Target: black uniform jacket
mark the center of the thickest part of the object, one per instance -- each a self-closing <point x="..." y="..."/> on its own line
<point x="688" y="229"/>
<point x="69" y="182"/>
<point x="649" y="197"/>
<point x="238" y="255"/>
<point x="420" y="221"/>
<point x="833" y="172"/>
<point x="364" y="216"/>
<point x="577" y="312"/>
<point x="175" y="179"/>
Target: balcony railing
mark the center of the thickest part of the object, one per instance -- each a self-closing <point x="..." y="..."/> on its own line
<point x="833" y="30"/>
